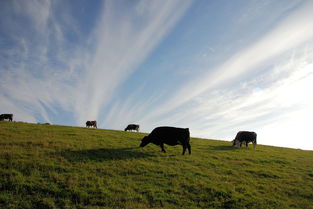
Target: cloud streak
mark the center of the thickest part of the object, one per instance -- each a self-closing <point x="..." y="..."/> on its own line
<point x="290" y="33"/>
<point x="45" y="70"/>
<point x="123" y="42"/>
<point x="36" y="68"/>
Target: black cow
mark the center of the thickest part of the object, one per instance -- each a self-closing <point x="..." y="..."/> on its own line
<point x="91" y="124"/>
<point x="6" y="116"/>
<point x="132" y="127"/>
<point x="168" y="135"/>
<point x="246" y="137"/>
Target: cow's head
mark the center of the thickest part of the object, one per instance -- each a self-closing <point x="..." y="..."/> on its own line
<point x="145" y="140"/>
<point x="254" y="144"/>
<point x="235" y="142"/>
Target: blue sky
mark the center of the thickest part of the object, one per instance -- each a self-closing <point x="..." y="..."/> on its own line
<point x="217" y="67"/>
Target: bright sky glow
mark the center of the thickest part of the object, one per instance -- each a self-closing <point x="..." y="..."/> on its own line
<point x="217" y="67"/>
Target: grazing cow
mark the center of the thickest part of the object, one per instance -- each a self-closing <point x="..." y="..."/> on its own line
<point x="168" y="135"/>
<point x="6" y="116"/>
<point x="246" y="137"/>
<point x="91" y="124"/>
<point x="131" y="127"/>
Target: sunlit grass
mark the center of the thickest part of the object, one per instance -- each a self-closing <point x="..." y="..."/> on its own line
<point x="45" y="166"/>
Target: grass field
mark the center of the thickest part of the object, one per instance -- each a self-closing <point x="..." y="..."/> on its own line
<point x="47" y="166"/>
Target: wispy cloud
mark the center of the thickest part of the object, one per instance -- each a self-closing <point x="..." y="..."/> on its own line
<point x="123" y="42"/>
<point x="290" y="33"/>
<point x="43" y="70"/>
<point x="39" y="68"/>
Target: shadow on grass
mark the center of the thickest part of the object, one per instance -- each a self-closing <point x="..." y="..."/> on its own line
<point x="224" y="148"/>
<point x="104" y="154"/>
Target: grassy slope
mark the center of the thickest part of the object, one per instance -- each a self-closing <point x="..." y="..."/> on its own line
<point x="45" y="166"/>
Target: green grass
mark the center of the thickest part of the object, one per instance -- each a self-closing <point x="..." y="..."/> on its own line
<point x="46" y="166"/>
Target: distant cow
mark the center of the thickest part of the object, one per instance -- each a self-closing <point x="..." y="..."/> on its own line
<point x="131" y="127"/>
<point x="168" y="135"/>
<point x="6" y="116"/>
<point x="91" y="124"/>
<point x="245" y="137"/>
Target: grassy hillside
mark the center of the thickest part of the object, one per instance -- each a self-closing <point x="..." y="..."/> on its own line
<point x="46" y="166"/>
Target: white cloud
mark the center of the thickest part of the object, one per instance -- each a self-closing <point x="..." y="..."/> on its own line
<point x="290" y="33"/>
<point x="124" y="41"/>
<point x="45" y="72"/>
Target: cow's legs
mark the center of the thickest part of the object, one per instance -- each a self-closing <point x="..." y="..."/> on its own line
<point x="189" y="148"/>
<point x="184" y="148"/>
<point x="162" y="147"/>
<point x="246" y="144"/>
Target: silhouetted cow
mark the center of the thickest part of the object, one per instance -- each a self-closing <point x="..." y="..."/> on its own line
<point x="91" y="124"/>
<point x="168" y="135"/>
<point x="6" y="116"/>
<point x="246" y="137"/>
<point x="132" y="127"/>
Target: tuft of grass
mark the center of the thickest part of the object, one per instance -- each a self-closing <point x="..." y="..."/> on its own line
<point x="48" y="166"/>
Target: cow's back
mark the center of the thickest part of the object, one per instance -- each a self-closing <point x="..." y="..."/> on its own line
<point x="170" y="135"/>
<point x="246" y="136"/>
<point x="132" y="126"/>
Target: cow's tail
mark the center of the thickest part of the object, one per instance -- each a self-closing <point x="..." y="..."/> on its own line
<point x="188" y="134"/>
<point x="188" y="140"/>
<point x="254" y="142"/>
